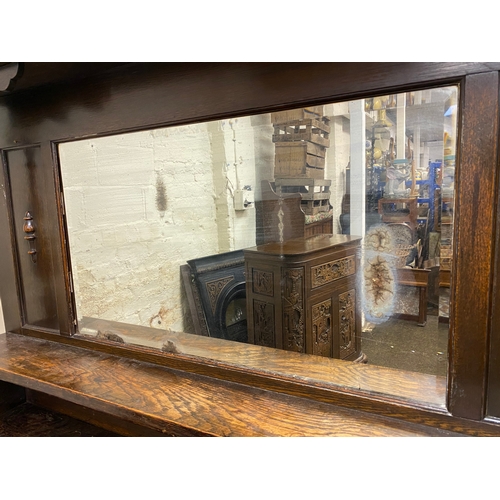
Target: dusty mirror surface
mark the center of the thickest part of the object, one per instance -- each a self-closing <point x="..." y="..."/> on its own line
<point x="324" y="230"/>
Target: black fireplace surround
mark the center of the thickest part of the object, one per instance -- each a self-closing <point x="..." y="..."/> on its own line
<point x="215" y="286"/>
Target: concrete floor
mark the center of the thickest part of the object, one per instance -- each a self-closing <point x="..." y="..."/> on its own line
<point x="404" y="345"/>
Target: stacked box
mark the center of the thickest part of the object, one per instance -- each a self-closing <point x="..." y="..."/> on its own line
<point x="299" y="159"/>
<point x="313" y="207"/>
<point x="315" y="112"/>
<point x="315" y="192"/>
<point x="301" y="137"/>
<point x="312" y="130"/>
<point x="445" y="257"/>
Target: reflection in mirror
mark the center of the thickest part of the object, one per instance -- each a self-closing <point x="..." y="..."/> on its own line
<point x="324" y="230"/>
<point x="2" y="323"/>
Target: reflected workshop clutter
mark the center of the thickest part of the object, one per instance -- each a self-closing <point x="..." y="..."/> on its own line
<point x="325" y="230"/>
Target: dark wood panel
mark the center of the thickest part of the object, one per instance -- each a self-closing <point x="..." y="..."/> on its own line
<point x="179" y="403"/>
<point x="493" y="399"/>
<point x="30" y="192"/>
<point x="153" y="94"/>
<point x="9" y="293"/>
<point x="10" y="396"/>
<point x="35" y="74"/>
<point x="26" y="195"/>
<point x="57" y="232"/>
<point x="27" y="420"/>
<point x="473" y="245"/>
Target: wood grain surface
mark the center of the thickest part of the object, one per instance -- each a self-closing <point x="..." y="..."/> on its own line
<point x="473" y="239"/>
<point x="412" y="387"/>
<point x="179" y="403"/>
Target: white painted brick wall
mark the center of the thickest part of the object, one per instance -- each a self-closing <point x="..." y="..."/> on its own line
<point x="126" y="252"/>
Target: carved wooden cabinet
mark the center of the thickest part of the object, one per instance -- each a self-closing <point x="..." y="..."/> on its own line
<point x="302" y="295"/>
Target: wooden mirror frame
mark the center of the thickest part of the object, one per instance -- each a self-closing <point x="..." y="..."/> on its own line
<point x="142" y="96"/>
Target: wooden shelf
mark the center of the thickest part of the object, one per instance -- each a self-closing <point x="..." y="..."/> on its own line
<point x="172" y="402"/>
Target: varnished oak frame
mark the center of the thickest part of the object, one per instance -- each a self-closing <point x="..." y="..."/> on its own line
<point x="141" y="96"/>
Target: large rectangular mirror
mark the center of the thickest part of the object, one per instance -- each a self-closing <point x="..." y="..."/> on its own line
<point x="324" y="230"/>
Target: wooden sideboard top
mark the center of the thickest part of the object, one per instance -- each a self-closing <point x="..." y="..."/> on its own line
<point x="305" y="246"/>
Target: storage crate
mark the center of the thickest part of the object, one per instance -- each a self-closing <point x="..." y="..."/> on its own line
<point x="313" y="207"/>
<point x="299" y="159"/>
<point x="298" y="170"/>
<point x="310" y="189"/>
<point x="312" y="130"/>
<point x="445" y="258"/>
<point x="297" y="114"/>
<point x="315" y="193"/>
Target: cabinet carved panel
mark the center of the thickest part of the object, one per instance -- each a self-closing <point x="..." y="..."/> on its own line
<point x="263" y="316"/>
<point x="322" y="328"/>
<point x="263" y="282"/>
<point x="293" y="309"/>
<point x="331" y="271"/>
<point x="347" y="322"/>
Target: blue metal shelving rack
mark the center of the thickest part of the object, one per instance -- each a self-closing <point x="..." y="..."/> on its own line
<point x="430" y="200"/>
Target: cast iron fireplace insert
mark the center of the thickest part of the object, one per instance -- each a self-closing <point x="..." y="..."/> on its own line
<point x="215" y="288"/>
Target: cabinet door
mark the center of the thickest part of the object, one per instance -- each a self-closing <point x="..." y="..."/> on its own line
<point x="35" y="236"/>
<point x="335" y="322"/>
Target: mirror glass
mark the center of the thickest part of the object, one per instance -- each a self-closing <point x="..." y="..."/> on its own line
<point x="325" y="230"/>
